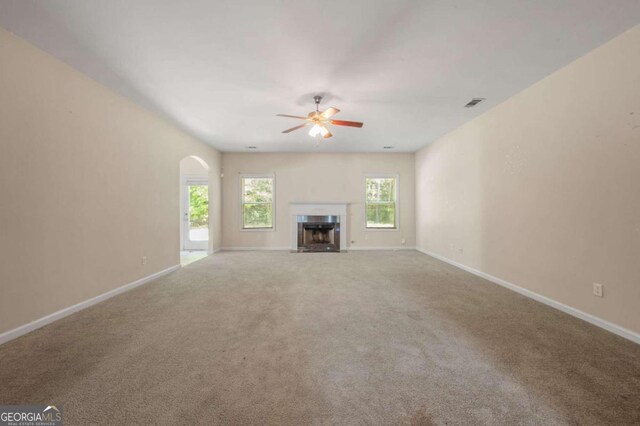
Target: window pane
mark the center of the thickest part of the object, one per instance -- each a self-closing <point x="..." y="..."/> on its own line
<point x="257" y="216"/>
<point x="388" y="190"/>
<point x="381" y="189"/>
<point x="381" y="215"/>
<point x="257" y="190"/>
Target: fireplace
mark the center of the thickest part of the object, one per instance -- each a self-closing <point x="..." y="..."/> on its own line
<point x="318" y="233"/>
<point x="328" y="220"/>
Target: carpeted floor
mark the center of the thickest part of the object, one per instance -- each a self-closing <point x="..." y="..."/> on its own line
<point x="350" y="338"/>
<point x="189" y="256"/>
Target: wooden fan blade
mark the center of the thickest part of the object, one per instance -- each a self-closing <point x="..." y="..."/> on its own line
<point x="346" y="123"/>
<point x="291" y="116"/>
<point x="294" y="128"/>
<point x="330" y="112"/>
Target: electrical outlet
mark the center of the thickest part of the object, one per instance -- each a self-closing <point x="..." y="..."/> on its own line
<point x="597" y="290"/>
<point x="144" y="260"/>
<point x="403" y="241"/>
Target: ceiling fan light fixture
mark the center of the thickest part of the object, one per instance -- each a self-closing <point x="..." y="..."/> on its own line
<point x="324" y="131"/>
<point x="315" y="130"/>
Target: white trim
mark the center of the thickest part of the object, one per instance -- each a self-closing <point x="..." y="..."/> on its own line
<point x="200" y="161"/>
<point x="394" y="248"/>
<point x="271" y="176"/>
<point x="382" y="229"/>
<point x="255" y="248"/>
<point x="614" y="328"/>
<point x="41" y="322"/>
<point x="194" y="176"/>
<point x="395" y="176"/>
<point x="188" y="180"/>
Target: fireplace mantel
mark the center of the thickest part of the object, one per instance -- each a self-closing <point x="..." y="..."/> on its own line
<point x="318" y="209"/>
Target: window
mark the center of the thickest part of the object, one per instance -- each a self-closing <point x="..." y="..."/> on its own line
<point x="381" y="202"/>
<point x="257" y="201"/>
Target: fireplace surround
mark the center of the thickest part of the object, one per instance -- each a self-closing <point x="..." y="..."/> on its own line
<point x="318" y="227"/>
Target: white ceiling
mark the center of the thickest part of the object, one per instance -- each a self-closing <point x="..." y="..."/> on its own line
<point x="221" y="70"/>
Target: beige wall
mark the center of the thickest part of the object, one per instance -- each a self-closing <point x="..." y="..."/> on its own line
<point x="89" y="183"/>
<point x="317" y="177"/>
<point x="544" y="190"/>
<point x="191" y="166"/>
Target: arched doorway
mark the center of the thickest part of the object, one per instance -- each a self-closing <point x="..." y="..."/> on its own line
<point x="194" y="209"/>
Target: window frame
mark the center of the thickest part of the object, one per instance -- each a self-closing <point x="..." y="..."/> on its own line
<point x="271" y="176"/>
<point x="395" y="176"/>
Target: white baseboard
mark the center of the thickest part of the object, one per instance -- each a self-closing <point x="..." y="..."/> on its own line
<point x="352" y="248"/>
<point x="33" y="325"/>
<point x="254" y="248"/>
<point x="289" y="248"/>
<point x="614" y="328"/>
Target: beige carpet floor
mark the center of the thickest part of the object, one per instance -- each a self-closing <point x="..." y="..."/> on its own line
<point x="351" y="338"/>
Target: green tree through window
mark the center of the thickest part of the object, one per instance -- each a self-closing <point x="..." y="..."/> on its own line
<point x="198" y="206"/>
<point x="257" y="202"/>
<point x="381" y="203"/>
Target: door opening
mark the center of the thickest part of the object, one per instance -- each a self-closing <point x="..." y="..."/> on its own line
<point x="195" y="215"/>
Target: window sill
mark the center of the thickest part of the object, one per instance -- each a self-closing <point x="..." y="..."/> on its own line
<point x="396" y="229"/>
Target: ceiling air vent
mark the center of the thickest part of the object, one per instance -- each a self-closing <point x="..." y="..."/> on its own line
<point x="473" y="102"/>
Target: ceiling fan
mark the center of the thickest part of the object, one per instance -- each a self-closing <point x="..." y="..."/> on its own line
<point x="320" y="120"/>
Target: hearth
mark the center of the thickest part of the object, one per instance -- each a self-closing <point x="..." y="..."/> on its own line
<point x="318" y="233"/>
